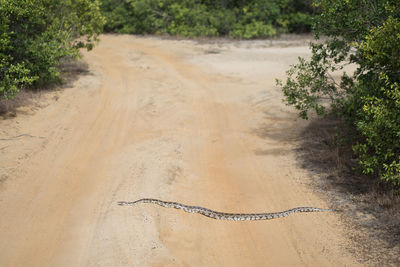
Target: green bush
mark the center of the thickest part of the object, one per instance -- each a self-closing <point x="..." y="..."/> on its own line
<point x="238" y="19"/>
<point x="255" y="29"/>
<point x="366" y="34"/>
<point x="298" y="22"/>
<point x="37" y="34"/>
<point x="379" y="124"/>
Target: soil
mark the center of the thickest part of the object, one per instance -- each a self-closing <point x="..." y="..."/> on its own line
<point x="201" y="123"/>
<point x="371" y="206"/>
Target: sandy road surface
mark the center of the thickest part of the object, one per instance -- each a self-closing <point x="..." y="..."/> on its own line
<point x="202" y="124"/>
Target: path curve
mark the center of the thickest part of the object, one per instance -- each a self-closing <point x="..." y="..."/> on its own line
<point x="197" y="123"/>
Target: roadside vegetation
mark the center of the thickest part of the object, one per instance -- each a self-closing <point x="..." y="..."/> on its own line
<point x="35" y="35"/>
<point x="366" y="34"/>
<point x="190" y="18"/>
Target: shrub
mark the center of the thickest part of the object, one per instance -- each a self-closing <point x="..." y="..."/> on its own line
<point x="238" y="19"/>
<point x="366" y="34"/>
<point x="255" y="29"/>
<point x="36" y="34"/>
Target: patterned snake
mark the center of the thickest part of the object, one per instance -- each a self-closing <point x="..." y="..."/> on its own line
<point x="222" y="215"/>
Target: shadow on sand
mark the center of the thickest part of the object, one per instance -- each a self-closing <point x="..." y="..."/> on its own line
<point x="71" y="70"/>
<point x="371" y="207"/>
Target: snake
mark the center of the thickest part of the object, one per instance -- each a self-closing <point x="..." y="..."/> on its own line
<point x="223" y="215"/>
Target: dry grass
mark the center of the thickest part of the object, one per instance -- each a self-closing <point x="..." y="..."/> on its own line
<point x="8" y="108"/>
<point x="372" y="209"/>
<point x="70" y="72"/>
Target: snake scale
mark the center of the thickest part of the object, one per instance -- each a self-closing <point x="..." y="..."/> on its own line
<point x="222" y="215"/>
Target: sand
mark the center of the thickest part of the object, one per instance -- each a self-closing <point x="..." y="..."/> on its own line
<point x="201" y="123"/>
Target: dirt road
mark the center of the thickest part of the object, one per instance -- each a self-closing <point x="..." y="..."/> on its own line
<point x="202" y="124"/>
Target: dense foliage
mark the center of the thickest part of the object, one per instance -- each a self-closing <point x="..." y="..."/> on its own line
<point x="365" y="33"/>
<point x="36" y="34"/>
<point x="234" y="18"/>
